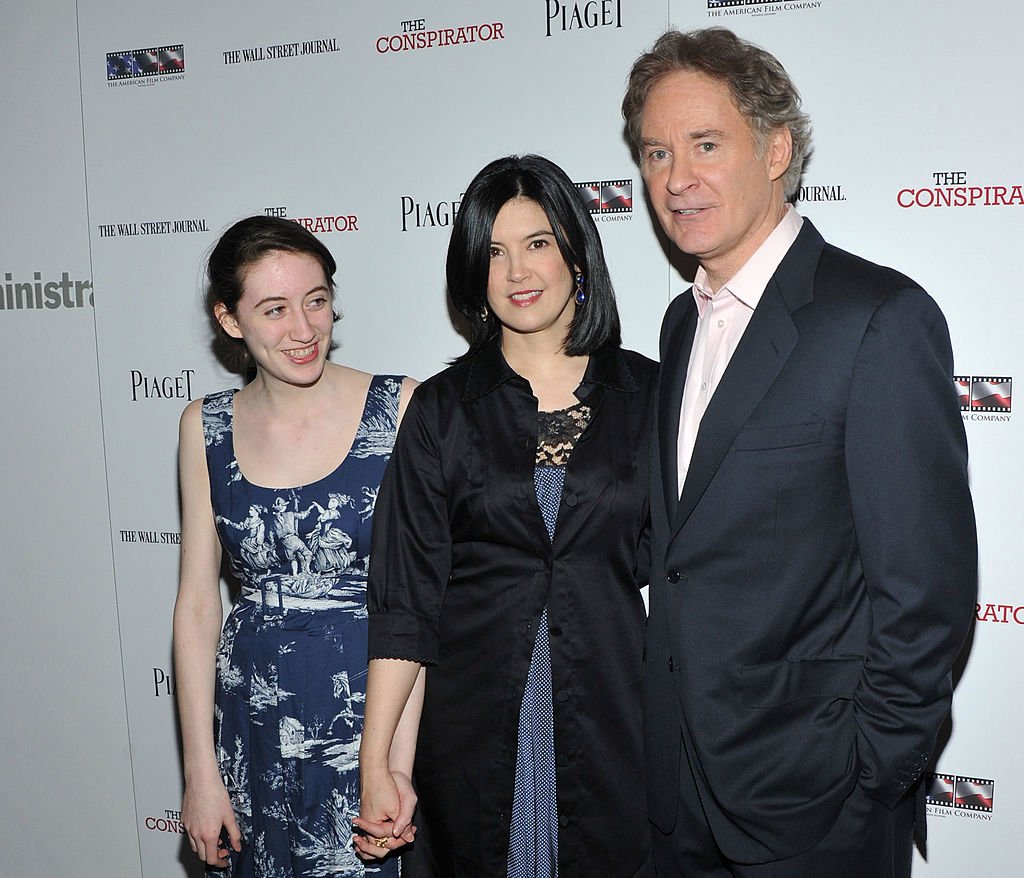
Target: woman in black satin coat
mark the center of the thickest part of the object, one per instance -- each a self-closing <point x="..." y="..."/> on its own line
<point x="509" y="552"/>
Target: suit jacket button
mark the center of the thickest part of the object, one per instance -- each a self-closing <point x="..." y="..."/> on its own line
<point x="672" y="575"/>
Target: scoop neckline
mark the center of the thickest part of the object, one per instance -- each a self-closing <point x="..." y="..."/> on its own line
<point x="341" y="463"/>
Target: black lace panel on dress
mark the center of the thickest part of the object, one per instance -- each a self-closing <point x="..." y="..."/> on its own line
<point x="558" y="432"/>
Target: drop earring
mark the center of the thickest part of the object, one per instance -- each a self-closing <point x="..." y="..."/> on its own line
<point x="581" y="293"/>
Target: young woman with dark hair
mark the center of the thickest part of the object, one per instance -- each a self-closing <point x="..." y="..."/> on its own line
<point x="271" y="707"/>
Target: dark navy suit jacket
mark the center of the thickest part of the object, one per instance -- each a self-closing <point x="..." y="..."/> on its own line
<point x="816" y="579"/>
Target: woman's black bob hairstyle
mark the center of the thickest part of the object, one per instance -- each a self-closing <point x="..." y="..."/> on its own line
<point x="596" y="322"/>
<point x="238" y="250"/>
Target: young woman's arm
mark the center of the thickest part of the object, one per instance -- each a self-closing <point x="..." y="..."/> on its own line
<point x="206" y="810"/>
<point x="394" y="696"/>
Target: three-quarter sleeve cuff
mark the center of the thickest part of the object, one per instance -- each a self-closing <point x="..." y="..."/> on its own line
<point x="400" y="636"/>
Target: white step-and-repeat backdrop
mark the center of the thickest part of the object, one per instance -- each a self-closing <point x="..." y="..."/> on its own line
<point x="135" y="133"/>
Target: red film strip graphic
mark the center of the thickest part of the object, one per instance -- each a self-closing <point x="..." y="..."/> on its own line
<point x="720" y="4"/>
<point x="984" y="394"/>
<point x="959" y="792"/>
<point x="607" y="196"/>
<point x="139" y="63"/>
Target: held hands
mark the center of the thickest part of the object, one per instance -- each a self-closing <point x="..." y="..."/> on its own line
<point x="385" y="815"/>
<point x="205" y="810"/>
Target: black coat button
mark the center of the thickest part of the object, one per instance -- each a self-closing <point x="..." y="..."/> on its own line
<point x="672" y="575"/>
<point x="570" y="499"/>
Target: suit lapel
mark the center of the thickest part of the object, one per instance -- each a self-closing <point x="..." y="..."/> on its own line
<point x="675" y="356"/>
<point x="759" y="358"/>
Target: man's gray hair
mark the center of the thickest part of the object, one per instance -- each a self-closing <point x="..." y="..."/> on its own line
<point x="760" y="87"/>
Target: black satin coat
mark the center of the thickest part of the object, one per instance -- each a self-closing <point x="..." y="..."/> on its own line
<point x="462" y="570"/>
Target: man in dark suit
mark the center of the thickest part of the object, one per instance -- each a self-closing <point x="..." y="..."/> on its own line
<point x="814" y="550"/>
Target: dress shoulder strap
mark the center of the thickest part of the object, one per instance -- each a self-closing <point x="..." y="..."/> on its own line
<point x="218" y="410"/>
<point x="376" y="433"/>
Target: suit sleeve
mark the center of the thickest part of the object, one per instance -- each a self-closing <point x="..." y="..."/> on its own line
<point x="906" y="458"/>
<point x="411" y="547"/>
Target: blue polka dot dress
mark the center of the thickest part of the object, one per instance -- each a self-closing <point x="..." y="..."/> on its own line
<point x="292" y="660"/>
<point x="533" y="841"/>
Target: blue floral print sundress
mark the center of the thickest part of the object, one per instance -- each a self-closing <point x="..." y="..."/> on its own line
<point x="291" y="665"/>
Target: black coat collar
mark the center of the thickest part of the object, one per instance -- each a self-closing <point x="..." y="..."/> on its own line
<point x="488" y="370"/>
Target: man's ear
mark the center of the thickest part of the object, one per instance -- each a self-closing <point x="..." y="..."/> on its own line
<point x="779" y="152"/>
<point x="227" y="320"/>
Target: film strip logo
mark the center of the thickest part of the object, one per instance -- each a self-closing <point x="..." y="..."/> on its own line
<point x="984" y="394"/>
<point x="959" y="793"/>
<point x="140" y="63"/>
<point x="720" y="4"/>
<point x="607" y="196"/>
